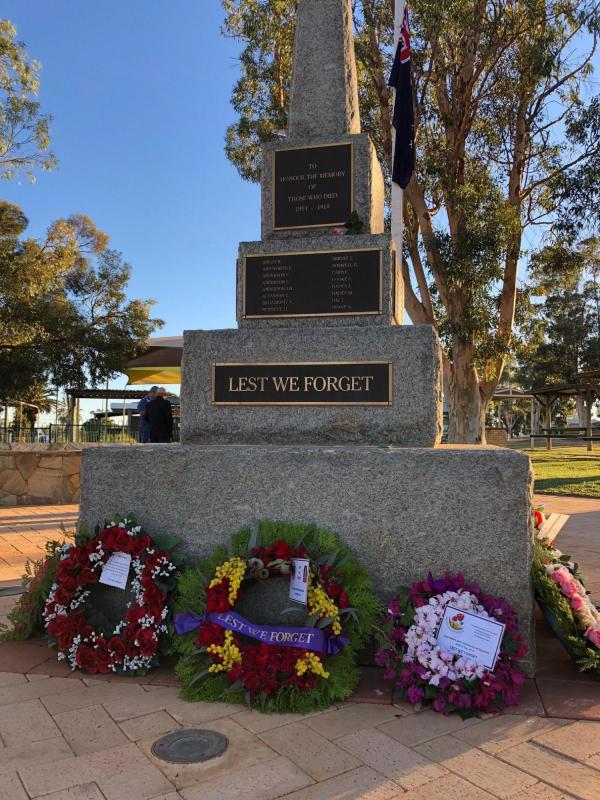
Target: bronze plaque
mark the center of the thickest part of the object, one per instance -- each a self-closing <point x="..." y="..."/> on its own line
<point x="313" y="187"/>
<point x="303" y="383"/>
<point x="314" y="284"/>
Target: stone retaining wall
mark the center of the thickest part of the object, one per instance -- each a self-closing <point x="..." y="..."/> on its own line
<point x="496" y="436"/>
<point x="39" y="474"/>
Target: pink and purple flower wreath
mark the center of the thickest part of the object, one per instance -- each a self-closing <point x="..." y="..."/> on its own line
<point x="424" y="673"/>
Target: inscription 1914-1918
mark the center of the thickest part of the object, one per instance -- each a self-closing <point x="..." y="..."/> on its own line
<point x="324" y="283"/>
<point x="338" y="383"/>
<point x="312" y="186"/>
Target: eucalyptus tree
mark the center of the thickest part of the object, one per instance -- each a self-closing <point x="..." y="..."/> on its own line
<point x="24" y="130"/>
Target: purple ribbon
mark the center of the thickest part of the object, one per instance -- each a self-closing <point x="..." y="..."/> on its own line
<point x="304" y="638"/>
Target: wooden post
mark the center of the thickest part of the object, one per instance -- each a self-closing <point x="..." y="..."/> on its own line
<point x="549" y="422"/>
<point x="588" y="418"/>
<point x="531" y="418"/>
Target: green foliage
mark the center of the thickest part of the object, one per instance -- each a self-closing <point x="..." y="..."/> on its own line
<point x="558" y="611"/>
<point x="64" y="313"/>
<point x="24" y="131"/>
<point x="564" y="337"/>
<point x="26" y="617"/>
<point x="197" y="684"/>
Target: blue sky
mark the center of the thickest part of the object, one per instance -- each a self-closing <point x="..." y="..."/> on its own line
<point x="139" y="91"/>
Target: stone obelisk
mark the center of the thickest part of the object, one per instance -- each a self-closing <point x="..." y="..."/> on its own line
<point x="324" y="95"/>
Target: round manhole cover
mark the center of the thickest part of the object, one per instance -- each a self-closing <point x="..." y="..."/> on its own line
<point x="190" y="746"/>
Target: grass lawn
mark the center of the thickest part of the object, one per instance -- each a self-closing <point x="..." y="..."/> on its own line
<point x="566" y="470"/>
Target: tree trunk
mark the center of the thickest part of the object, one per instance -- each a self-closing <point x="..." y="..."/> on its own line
<point x="466" y="409"/>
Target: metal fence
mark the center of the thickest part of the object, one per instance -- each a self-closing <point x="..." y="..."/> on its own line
<point x="88" y="432"/>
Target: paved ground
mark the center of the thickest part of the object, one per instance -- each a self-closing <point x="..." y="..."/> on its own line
<point x="67" y="738"/>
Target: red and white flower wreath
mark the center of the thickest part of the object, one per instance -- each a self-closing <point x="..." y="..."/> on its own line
<point x="133" y="645"/>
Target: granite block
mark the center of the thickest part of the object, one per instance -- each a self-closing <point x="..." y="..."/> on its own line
<point x="324" y="90"/>
<point x="412" y="418"/>
<point x="404" y="511"/>
<point x="369" y="192"/>
<point x="392" y="289"/>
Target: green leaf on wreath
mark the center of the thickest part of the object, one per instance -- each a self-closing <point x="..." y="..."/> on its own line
<point x="323" y="623"/>
<point x="202" y="674"/>
<point x="166" y="542"/>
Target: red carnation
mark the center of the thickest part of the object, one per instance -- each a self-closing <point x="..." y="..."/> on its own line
<point x="343" y="600"/>
<point x="87" y="659"/>
<point x="62" y="596"/>
<point x="147" y="642"/>
<point x="117" y="646"/>
<point x="282" y="550"/>
<point x="217" y="598"/>
<point x="86" y="577"/>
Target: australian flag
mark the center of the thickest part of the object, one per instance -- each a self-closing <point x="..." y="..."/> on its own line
<point x="404" y="116"/>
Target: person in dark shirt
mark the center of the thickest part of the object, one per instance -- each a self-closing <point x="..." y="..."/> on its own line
<point x="160" y="418"/>
<point x="141" y="407"/>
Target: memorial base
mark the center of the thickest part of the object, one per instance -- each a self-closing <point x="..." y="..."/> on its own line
<point x="404" y="511"/>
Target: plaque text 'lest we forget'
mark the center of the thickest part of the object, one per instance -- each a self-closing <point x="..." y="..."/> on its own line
<point x="338" y="383"/>
<point x="312" y="186"/>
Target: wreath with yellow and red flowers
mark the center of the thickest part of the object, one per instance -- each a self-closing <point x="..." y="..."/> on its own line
<point x="87" y="639"/>
<point x="229" y="658"/>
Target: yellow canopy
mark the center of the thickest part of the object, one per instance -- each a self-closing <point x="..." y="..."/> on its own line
<point x="157" y="365"/>
<point x="143" y="375"/>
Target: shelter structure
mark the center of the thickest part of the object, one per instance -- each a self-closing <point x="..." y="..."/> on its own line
<point x="587" y="386"/>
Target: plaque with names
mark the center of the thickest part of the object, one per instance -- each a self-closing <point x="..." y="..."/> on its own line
<point x="313" y="284"/>
<point x="313" y="187"/>
<point x="303" y="383"/>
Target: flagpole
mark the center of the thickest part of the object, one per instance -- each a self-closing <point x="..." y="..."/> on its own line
<point x="397" y="193"/>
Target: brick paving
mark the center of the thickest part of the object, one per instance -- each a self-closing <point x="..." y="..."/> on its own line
<point x="65" y="737"/>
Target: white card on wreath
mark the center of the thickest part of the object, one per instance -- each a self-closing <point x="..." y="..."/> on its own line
<point x="471" y="636"/>
<point x="299" y="582"/>
<point x="116" y="570"/>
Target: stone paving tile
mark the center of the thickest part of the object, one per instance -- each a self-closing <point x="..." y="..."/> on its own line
<point x="392" y="759"/>
<point x="570" y="699"/>
<point x="477" y="767"/>
<point x="425" y="725"/>
<point x="580" y="740"/>
<point x="256" y="722"/>
<point x="310" y="751"/>
<point x="122" y="773"/>
<point x="123" y="702"/>
<point x="244" y="751"/>
<point x="450" y="787"/>
<point x="168" y="796"/>
<point x="89" y="729"/>
<point x="156" y="724"/>
<point x="21" y="756"/>
<point x="541" y="791"/>
<point x="556" y="770"/>
<point x="351" y="717"/>
<point x="10" y="678"/>
<point x="199" y="713"/>
<point x="530" y="703"/>
<point x="11" y="787"/>
<point x="112" y="696"/>
<point x="265" y="781"/>
<point x="84" y="791"/>
<point x="23" y="656"/>
<point x="499" y="733"/>
<point x="21" y="692"/>
<point x="363" y="783"/>
<point x="26" y="722"/>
